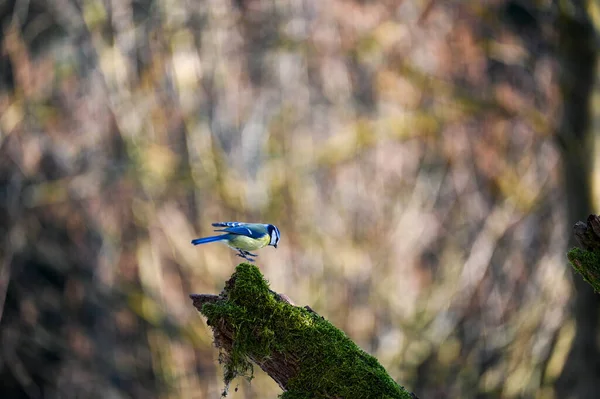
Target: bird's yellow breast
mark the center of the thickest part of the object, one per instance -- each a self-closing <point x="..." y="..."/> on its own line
<point x="248" y="244"/>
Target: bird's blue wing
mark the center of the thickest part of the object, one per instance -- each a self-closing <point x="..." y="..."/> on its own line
<point x="229" y="224"/>
<point x="243" y="231"/>
<point x="239" y="228"/>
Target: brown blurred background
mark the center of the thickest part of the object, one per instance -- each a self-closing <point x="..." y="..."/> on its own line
<point x="425" y="161"/>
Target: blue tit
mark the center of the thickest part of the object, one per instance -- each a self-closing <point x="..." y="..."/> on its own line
<point x="244" y="237"/>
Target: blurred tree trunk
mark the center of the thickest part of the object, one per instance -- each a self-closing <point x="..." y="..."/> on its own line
<point x="577" y="55"/>
<point x="61" y="329"/>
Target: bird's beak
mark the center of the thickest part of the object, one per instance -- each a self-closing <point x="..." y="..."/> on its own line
<point x="275" y="246"/>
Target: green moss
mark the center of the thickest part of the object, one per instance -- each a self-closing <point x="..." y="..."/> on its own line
<point x="331" y="364"/>
<point x="586" y="263"/>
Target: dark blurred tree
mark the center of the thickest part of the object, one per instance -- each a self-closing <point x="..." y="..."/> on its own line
<point x="577" y="54"/>
<point x="62" y="332"/>
<point x="574" y="46"/>
<point x="561" y="34"/>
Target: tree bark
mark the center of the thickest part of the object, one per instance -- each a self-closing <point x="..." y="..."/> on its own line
<point x="586" y="260"/>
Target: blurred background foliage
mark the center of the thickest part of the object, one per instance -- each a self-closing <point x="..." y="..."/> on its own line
<point x="424" y="161"/>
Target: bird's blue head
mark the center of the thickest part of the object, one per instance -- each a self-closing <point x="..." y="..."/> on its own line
<point x="274" y="234"/>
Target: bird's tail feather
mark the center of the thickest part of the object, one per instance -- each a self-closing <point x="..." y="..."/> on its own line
<point x="206" y="240"/>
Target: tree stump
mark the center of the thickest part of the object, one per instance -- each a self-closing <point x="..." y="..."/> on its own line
<point x="305" y="354"/>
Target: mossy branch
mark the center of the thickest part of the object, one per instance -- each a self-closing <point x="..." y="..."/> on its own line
<point x="586" y="260"/>
<point x="305" y="354"/>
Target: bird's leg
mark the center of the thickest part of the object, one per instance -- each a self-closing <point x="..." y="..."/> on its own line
<point x="243" y="254"/>
<point x="250" y="253"/>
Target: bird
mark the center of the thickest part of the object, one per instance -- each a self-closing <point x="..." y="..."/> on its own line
<point x="244" y="237"/>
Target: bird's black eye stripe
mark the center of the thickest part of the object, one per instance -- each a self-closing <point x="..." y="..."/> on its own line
<point x="273" y="233"/>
